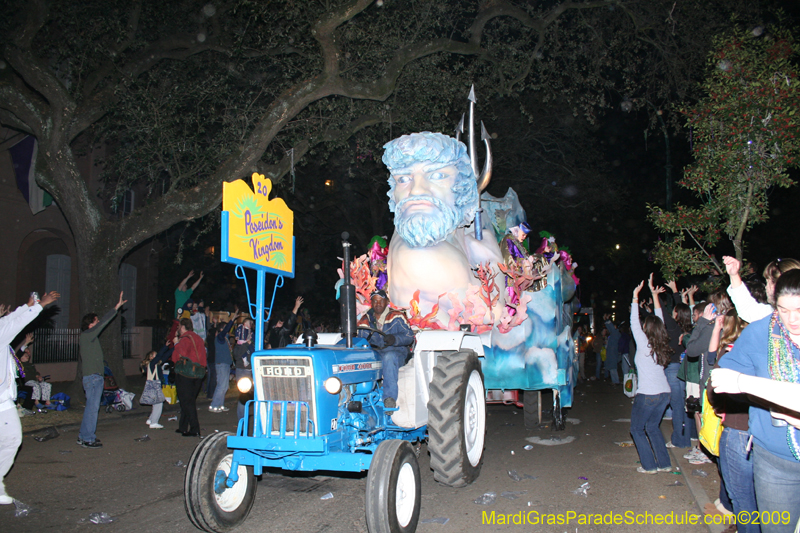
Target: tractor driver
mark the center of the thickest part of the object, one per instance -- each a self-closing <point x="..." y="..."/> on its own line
<point x="393" y="346"/>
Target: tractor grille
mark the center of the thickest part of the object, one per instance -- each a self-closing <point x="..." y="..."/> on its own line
<point x="285" y="379"/>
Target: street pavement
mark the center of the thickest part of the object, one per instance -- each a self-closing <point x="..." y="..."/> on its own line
<point x="140" y="483"/>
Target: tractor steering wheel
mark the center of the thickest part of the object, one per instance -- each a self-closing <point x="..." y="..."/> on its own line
<point x="372" y="330"/>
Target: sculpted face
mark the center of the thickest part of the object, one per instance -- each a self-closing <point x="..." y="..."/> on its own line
<point x="425" y="211"/>
<point x="432" y="188"/>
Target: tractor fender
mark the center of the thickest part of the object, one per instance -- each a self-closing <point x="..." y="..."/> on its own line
<point x="445" y="341"/>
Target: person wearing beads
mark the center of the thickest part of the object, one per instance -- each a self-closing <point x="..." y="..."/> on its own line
<point x="770" y="348"/>
<point x="11" y="368"/>
<point x="652" y="394"/>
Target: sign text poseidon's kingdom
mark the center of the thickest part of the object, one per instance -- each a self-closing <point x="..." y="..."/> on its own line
<point x="258" y="248"/>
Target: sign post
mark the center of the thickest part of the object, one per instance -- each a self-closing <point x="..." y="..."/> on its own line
<point x="257" y="233"/>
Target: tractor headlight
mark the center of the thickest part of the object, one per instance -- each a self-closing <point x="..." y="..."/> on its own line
<point x="244" y="385"/>
<point x="333" y="385"/>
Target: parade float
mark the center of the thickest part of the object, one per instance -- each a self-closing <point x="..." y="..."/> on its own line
<point x="489" y="323"/>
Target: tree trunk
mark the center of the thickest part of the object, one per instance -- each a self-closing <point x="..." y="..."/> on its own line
<point x="737" y="240"/>
<point x="98" y="271"/>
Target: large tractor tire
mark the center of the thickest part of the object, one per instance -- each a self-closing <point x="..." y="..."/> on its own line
<point x="456" y="418"/>
<point x="530" y="408"/>
<point x="210" y="505"/>
<point x="394" y="489"/>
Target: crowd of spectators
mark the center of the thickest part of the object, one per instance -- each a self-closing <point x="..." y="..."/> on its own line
<point x="730" y="360"/>
<point x="735" y="353"/>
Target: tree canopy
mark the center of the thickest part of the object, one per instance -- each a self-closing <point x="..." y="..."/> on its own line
<point x="183" y="96"/>
<point x="746" y="135"/>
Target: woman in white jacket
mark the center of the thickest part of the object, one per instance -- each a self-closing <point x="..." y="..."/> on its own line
<point x="10" y="428"/>
<point x="748" y="308"/>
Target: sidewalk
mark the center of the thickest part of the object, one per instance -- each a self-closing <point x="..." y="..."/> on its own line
<point x="72" y="417"/>
<point x="704" y="489"/>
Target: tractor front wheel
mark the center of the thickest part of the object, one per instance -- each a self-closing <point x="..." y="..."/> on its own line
<point x="210" y="504"/>
<point x="394" y="489"/>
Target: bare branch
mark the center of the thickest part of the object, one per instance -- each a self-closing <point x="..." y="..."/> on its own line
<point x="19" y="110"/>
<point x="36" y="17"/>
<point x="42" y="80"/>
<point x="12" y="121"/>
<point x="323" y="32"/>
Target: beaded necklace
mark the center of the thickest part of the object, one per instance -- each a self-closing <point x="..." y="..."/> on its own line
<point x="783" y="367"/>
<point x="16" y="360"/>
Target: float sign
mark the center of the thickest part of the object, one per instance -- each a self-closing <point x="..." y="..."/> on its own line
<point x="257" y="232"/>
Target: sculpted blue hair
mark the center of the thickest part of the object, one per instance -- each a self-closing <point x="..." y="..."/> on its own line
<point x="404" y="151"/>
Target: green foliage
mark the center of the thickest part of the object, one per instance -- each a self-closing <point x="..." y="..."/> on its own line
<point x="746" y="136"/>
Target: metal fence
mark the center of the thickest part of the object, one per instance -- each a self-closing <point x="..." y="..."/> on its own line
<point x="62" y="345"/>
<point x="159" y="336"/>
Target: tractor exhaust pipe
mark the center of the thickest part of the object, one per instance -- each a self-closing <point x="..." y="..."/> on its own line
<point x="347" y="297"/>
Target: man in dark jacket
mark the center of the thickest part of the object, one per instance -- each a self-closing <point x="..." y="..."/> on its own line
<point x="392" y="346"/>
<point x="281" y="333"/>
<point x="92" y="369"/>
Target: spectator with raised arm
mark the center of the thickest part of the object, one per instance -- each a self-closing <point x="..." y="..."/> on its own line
<point x="182" y="293"/>
<point x="769" y="348"/>
<point x="697" y="345"/>
<point x="223" y="361"/>
<point x="281" y="333"/>
<point x="652" y="394"/>
<point x="681" y="431"/>
<point x="10" y="428"/>
<point x="93" y="368"/>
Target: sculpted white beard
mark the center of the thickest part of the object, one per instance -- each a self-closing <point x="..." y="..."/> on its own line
<point x="425" y="229"/>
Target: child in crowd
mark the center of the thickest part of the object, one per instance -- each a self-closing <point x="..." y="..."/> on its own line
<point x="34" y="380"/>
<point x="152" y="394"/>
<point x="244" y="339"/>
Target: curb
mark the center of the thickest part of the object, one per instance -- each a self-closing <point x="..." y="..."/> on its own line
<point x="77" y="425"/>
<point x="699" y="494"/>
<point x="134" y="413"/>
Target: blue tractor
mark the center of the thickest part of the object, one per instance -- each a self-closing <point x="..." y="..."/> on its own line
<point x="317" y="406"/>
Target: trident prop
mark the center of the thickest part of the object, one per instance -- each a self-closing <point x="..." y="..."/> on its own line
<point x="486" y="175"/>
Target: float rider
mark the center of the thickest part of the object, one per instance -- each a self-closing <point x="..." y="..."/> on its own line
<point x="393" y="346"/>
<point x="512" y="246"/>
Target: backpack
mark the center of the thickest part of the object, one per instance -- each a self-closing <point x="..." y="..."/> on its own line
<point x="59" y="401"/>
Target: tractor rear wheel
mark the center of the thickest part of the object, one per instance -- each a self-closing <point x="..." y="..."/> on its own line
<point x="456" y="418"/>
<point x="530" y="408"/>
